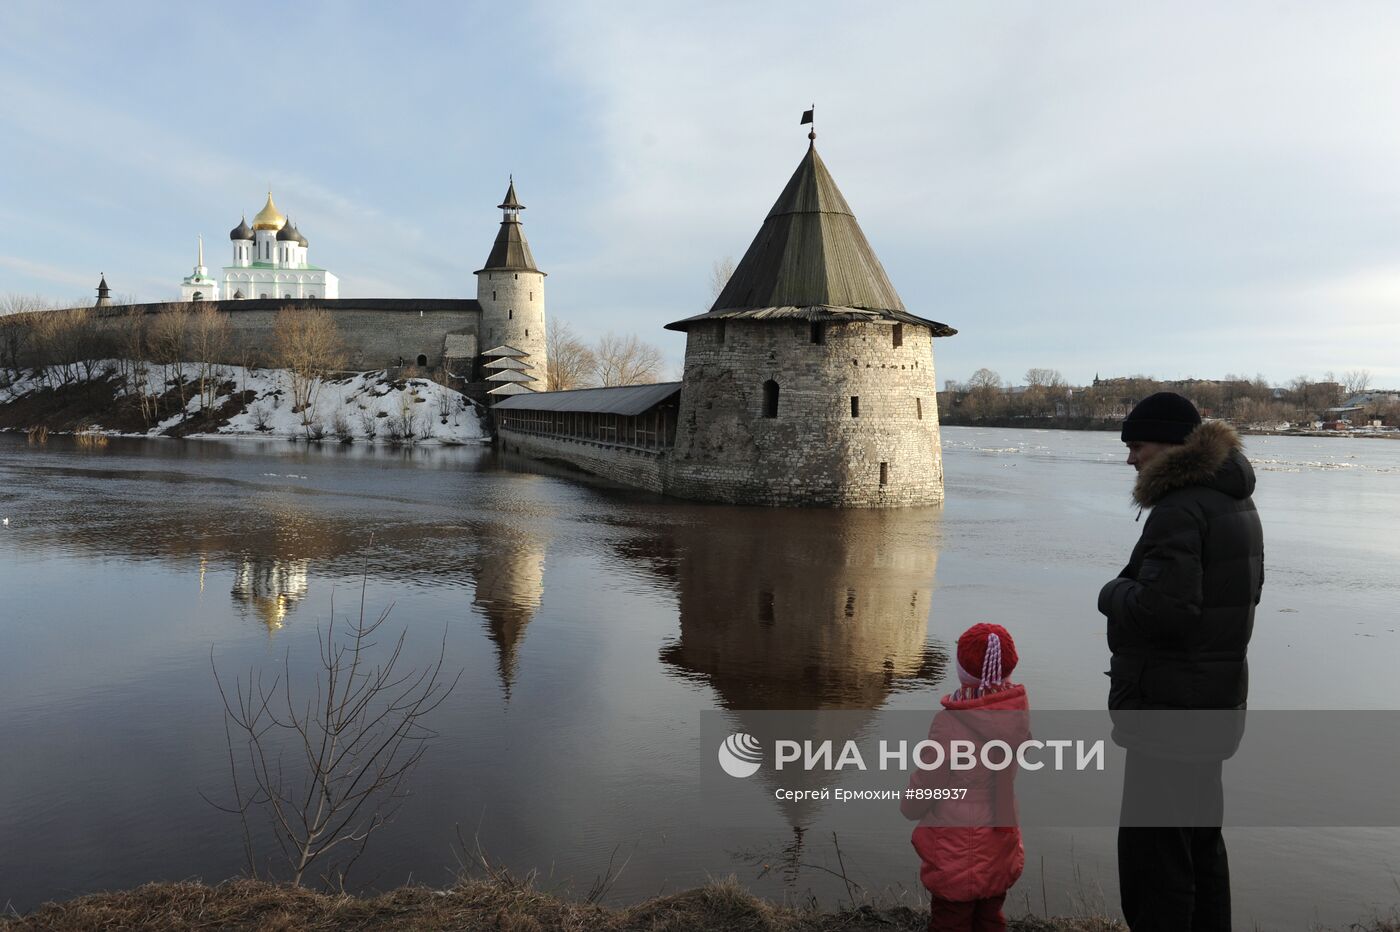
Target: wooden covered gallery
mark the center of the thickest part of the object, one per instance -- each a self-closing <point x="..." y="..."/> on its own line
<point x="639" y="416"/>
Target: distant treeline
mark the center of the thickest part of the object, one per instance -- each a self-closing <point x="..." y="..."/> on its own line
<point x="1047" y="400"/>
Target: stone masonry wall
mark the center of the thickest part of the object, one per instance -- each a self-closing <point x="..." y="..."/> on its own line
<point x="639" y="468"/>
<point x="512" y="312"/>
<point x="393" y="333"/>
<point x="814" y="452"/>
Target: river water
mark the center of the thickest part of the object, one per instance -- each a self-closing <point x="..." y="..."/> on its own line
<point x="594" y="625"/>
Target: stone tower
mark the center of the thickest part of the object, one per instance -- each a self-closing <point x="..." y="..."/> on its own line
<point x="510" y="290"/>
<point x="807" y="382"/>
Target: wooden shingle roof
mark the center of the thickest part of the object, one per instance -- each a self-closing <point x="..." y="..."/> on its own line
<point x="810" y="259"/>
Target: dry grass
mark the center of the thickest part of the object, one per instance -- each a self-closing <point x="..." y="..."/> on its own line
<point x="499" y="903"/>
<point x="478" y="904"/>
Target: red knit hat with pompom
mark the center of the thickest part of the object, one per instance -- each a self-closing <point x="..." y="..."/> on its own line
<point x="986" y="655"/>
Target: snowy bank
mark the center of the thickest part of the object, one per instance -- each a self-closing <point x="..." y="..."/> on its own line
<point x="121" y="398"/>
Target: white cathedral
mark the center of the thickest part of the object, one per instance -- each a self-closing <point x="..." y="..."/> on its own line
<point x="269" y="261"/>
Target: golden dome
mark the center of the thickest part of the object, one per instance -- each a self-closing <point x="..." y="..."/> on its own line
<point x="269" y="218"/>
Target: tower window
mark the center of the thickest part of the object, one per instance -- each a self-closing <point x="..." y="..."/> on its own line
<point x="855" y="406"/>
<point x="532" y="296"/>
<point x="898" y="334"/>
<point x="510" y="313"/>
<point x="884" y="473"/>
<point x="422" y="359"/>
<point x="719" y="332"/>
<point x="770" y="398"/>
<point x="527" y="334"/>
<point x="517" y="276"/>
<point x="919" y="408"/>
<point x="818" y="332"/>
<point x="765" y="608"/>
<point x="493" y="296"/>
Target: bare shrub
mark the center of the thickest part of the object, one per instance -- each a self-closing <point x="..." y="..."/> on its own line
<point x="316" y="430"/>
<point x="356" y="733"/>
<point x="369" y="423"/>
<point x="262" y="417"/>
<point x="340" y="426"/>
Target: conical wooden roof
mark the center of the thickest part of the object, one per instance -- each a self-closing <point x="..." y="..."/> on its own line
<point x="810" y="251"/>
<point x="810" y="260"/>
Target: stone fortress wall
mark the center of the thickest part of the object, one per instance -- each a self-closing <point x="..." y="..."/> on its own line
<point x="378" y="333"/>
<point x="642" y="469"/>
<point x="816" y="450"/>
<point x="856" y="422"/>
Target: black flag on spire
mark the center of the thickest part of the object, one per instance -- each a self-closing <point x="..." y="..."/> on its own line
<point x="807" y="116"/>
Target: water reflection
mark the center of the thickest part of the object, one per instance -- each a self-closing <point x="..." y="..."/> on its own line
<point x="269" y="587"/>
<point x="508" y="569"/>
<point x="802" y="611"/>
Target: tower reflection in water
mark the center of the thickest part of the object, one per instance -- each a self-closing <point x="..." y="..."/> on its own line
<point x="805" y="611"/>
<point x="508" y="569"/>
<point x="269" y="587"/>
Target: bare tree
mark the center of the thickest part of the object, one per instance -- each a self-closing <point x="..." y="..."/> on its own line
<point x="984" y="393"/>
<point x="1041" y="387"/>
<point x="720" y="273"/>
<point x="984" y="379"/>
<point x="1355" y="381"/>
<point x="66" y="343"/>
<point x="307" y="344"/>
<point x="354" y="739"/>
<point x="18" y="322"/>
<point x="209" y="342"/>
<point x="129" y="334"/>
<point x="167" y="340"/>
<point x="625" y="360"/>
<point x="571" y="362"/>
<point x="1044" y="378"/>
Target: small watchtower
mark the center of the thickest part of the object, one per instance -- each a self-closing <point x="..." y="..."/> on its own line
<point x="510" y="289"/>
<point x="808" y="382"/>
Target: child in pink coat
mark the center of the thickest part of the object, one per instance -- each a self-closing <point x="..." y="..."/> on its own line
<point x="970" y="846"/>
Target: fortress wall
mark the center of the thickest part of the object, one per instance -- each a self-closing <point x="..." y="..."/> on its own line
<point x="638" y="468"/>
<point x="375" y="337"/>
<point x="814" y="452"/>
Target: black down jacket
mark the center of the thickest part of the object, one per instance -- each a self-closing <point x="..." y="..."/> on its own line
<point x="1181" y="612"/>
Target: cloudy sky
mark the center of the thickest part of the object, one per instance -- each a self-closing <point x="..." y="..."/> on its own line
<point x="1175" y="189"/>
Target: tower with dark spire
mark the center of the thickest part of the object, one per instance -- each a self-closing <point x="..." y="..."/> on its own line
<point x="808" y="382"/>
<point x="510" y="289"/>
<point x="104" y="294"/>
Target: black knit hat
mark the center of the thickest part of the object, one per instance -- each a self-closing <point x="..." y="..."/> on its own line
<point x="1165" y="417"/>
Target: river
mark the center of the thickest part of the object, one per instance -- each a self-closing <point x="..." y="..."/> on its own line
<point x="594" y="625"/>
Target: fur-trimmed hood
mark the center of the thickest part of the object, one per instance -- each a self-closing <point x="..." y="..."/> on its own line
<point x="1212" y="456"/>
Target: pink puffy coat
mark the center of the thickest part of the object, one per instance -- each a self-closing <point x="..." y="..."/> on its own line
<point x="971" y="848"/>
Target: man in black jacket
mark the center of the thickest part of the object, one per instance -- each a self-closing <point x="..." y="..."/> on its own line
<point x="1180" y="616"/>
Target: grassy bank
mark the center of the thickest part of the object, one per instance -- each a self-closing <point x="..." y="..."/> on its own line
<point x="487" y="904"/>
<point x="490" y="904"/>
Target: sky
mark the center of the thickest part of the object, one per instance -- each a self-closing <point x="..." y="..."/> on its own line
<point x="1172" y="189"/>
